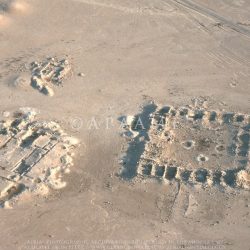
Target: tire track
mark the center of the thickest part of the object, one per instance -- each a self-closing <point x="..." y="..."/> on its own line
<point x="212" y="15"/>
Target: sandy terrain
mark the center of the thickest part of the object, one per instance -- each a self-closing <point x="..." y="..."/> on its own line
<point x="179" y="180"/>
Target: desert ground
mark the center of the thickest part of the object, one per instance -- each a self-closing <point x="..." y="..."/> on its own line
<point x="79" y="170"/>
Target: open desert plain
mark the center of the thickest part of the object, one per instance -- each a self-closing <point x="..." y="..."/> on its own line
<point x="124" y="124"/>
